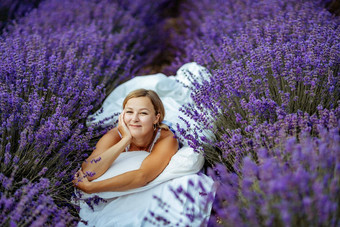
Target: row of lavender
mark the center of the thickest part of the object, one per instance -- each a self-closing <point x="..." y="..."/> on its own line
<point x="57" y="63"/>
<point x="271" y="107"/>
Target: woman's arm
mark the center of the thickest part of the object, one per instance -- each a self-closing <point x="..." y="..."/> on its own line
<point x="151" y="167"/>
<point x="108" y="148"/>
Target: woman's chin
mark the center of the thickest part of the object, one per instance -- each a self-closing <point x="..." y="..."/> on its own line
<point x="135" y="129"/>
<point x="139" y="132"/>
<point x="135" y="132"/>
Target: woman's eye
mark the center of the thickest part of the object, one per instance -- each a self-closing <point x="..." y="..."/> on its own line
<point x="143" y="113"/>
<point x="128" y="112"/>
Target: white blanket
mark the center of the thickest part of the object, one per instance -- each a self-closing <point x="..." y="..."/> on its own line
<point x="184" y="162"/>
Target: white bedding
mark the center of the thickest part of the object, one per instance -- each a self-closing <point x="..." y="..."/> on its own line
<point x="184" y="162"/>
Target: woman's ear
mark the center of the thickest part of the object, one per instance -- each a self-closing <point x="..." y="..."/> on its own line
<point x="157" y="118"/>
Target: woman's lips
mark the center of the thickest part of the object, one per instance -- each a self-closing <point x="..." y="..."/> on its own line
<point x="135" y="126"/>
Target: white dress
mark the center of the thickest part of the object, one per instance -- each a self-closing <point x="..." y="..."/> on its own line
<point x="180" y="195"/>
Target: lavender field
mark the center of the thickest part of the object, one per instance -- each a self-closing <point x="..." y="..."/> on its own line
<point x="270" y="111"/>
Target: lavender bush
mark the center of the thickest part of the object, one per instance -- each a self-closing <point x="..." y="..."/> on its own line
<point x="57" y="63"/>
<point x="274" y="65"/>
<point x="294" y="184"/>
<point x="205" y="25"/>
<point x="274" y="69"/>
<point x="272" y="102"/>
<point x="30" y="204"/>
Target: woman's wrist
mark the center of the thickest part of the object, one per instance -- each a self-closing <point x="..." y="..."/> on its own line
<point x="87" y="187"/>
<point x="127" y="139"/>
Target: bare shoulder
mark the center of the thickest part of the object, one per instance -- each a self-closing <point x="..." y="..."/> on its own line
<point x="161" y="154"/>
<point x="167" y="140"/>
<point x="166" y="133"/>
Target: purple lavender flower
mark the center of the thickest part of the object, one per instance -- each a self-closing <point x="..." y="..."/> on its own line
<point x="57" y="63"/>
<point x="274" y="74"/>
<point x="272" y="193"/>
<point x="268" y="73"/>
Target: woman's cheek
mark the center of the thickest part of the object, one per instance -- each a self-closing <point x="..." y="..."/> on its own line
<point x="146" y="119"/>
<point x="126" y="119"/>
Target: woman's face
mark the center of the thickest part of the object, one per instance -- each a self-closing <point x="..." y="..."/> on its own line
<point x="140" y="116"/>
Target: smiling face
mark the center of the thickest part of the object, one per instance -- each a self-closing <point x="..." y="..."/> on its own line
<point x="140" y="116"/>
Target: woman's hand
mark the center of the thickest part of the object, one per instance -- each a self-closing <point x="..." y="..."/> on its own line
<point x="80" y="181"/>
<point x="122" y="128"/>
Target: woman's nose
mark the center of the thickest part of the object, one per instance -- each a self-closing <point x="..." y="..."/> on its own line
<point x="135" y="117"/>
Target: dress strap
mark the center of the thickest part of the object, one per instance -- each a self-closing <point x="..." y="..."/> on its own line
<point x="155" y="139"/>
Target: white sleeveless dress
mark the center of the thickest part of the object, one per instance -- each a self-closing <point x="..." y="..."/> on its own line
<point x="179" y="196"/>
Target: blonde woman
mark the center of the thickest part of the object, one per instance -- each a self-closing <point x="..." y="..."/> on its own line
<point x="142" y="174"/>
<point x="139" y="129"/>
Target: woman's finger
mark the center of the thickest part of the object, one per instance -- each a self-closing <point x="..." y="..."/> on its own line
<point x="121" y="119"/>
<point x="122" y="127"/>
<point x="78" y="176"/>
<point x="122" y="123"/>
<point x="75" y="178"/>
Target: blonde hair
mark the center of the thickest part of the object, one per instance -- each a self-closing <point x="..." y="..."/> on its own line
<point x="155" y="100"/>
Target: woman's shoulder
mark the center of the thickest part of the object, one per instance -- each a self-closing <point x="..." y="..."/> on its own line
<point x="164" y="141"/>
<point x="165" y="133"/>
<point x="171" y="134"/>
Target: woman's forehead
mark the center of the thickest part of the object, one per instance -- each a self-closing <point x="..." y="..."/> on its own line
<point x="139" y="103"/>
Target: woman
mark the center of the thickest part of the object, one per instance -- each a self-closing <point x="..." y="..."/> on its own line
<point x="139" y="129"/>
<point x="138" y="167"/>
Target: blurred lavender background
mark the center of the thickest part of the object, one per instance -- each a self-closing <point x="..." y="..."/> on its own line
<point x="270" y="111"/>
<point x="14" y="9"/>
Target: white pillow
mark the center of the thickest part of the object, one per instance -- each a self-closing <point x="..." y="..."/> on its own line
<point x="184" y="162"/>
